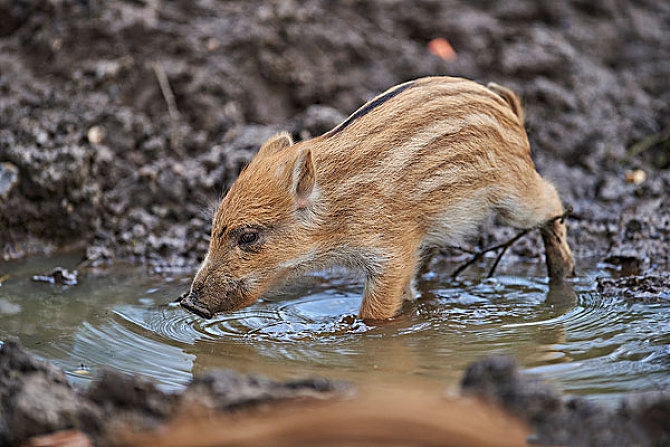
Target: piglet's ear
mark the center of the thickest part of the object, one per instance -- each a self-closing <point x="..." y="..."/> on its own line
<point x="275" y="144"/>
<point x="304" y="178"/>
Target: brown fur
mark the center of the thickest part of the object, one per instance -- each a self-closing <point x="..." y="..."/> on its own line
<point x="383" y="418"/>
<point x="421" y="165"/>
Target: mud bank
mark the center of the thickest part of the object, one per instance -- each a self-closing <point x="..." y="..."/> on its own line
<point x="37" y="399"/>
<point x="121" y="410"/>
<point x="121" y="123"/>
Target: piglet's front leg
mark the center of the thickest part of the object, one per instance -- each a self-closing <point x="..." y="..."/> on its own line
<point x="385" y="292"/>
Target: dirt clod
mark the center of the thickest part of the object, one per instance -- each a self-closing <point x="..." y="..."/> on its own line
<point x="647" y="288"/>
<point x="639" y="421"/>
<point x="36" y="399"/>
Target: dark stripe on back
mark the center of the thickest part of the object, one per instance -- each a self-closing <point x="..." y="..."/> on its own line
<point x="222" y="232"/>
<point x="368" y="107"/>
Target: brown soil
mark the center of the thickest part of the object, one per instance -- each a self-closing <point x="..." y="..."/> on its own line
<point x="95" y="153"/>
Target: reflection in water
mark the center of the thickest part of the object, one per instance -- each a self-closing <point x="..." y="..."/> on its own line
<point x="585" y="343"/>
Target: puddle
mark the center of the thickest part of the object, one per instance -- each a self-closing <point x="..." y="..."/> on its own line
<point x="122" y="318"/>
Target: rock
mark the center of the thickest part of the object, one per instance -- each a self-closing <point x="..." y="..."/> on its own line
<point x="9" y="178"/>
<point x="96" y="134"/>
<point x="226" y="390"/>
<point x="568" y="421"/>
<point x="36" y="399"/>
<point x="653" y="288"/>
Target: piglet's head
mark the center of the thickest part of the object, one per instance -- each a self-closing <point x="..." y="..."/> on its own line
<point x="260" y="231"/>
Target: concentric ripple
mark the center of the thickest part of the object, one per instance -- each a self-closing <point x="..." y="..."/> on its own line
<point x="608" y="341"/>
<point x="328" y="313"/>
<point x="112" y="344"/>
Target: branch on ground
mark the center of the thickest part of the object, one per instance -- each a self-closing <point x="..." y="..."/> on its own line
<point x="476" y="256"/>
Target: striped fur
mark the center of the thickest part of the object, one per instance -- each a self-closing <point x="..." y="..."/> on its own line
<point x="422" y="164"/>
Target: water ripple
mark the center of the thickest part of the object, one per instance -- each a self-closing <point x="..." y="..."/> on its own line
<point x="588" y="343"/>
<point x="113" y="345"/>
<point x="313" y="317"/>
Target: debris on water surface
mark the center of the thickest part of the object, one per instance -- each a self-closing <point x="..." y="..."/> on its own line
<point x="9" y="308"/>
<point x="3" y="278"/>
<point x="59" y="276"/>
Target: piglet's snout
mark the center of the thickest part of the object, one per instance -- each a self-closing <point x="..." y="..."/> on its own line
<point x="190" y="302"/>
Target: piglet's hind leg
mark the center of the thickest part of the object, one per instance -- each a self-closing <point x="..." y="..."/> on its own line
<point x="538" y="205"/>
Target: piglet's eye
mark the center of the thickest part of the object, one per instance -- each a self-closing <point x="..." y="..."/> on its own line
<point x="248" y="238"/>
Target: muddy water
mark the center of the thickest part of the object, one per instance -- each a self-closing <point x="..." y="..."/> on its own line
<point x="122" y="318"/>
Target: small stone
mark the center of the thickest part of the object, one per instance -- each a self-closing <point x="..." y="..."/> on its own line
<point x="9" y="178"/>
<point x="636" y="176"/>
<point x="213" y="44"/>
<point x="96" y="134"/>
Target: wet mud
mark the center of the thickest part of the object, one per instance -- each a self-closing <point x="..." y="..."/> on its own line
<point x="642" y="420"/>
<point x="37" y="399"/>
<point x="121" y="123"/>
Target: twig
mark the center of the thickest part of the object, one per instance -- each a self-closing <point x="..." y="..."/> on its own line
<point x="646" y="143"/>
<point x="461" y="249"/>
<point x="504" y="247"/>
<point x="478" y="255"/>
<point x="168" y="95"/>
<point x="507" y="244"/>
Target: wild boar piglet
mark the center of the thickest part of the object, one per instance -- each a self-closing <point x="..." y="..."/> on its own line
<point x="423" y="164"/>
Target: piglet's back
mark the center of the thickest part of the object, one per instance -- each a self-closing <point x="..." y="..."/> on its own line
<point x="423" y="149"/>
